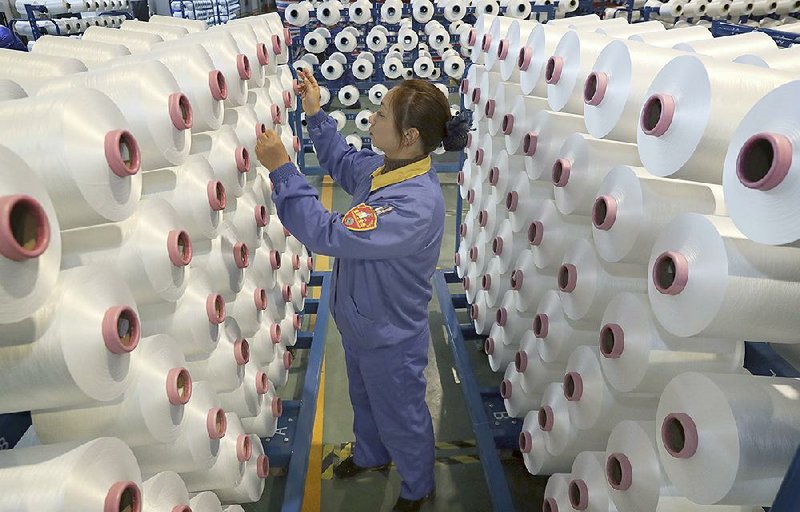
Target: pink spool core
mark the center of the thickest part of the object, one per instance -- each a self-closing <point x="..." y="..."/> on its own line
<point x="263" y="56"/>
<point x="501" y="317"/>
<point x="474" y="311"/>
<point x="462" y="229"/>
<point x="216" y="423"/>
<point x="469" y="140"/>
<point x="243" y="66"/>
<point x="464" y="86"/>
<point x="502" y="49"/>
<point x="122" y="153"/>
<point x="517" y="278"/>
<point x="277" y="407"/>
<point x="261" y="129"/>
<point x="553" y="70"/>
<point x="287" y="37"/>
<point x="567" y="277"/>
<point x="535" y="233"/>
<point x="490" y="108"/>
<point x="179" y="247"/>
<point x="483" y="218"/>
<point x="465" y="282"/>
<point x="679" y="435"/>
<point x="275" y="260"/>
<point x="297" y="322"/>
<point x="244" y="450"/>
<point x="275" y="333"/>
<point x="215" y="308"/>
<point x="479" y="154"/>
<point x="525" y="442"/>
<point x="217" y="85"/>
<point x="541" y="325"/>
<point x="287" y="360"/>
<point x="512" y="201"/>
<point x="486" y="282"/>
<point x="604" y="212"/>
<point x="242" y="158"/>
<point x="657" y="114"/>
<point x="303" y="290"/>
<point x="241" y="352"/>
<point x="476" y="95"/>
<point x="573" y="386"/>
<point x="276" y="44"/>
<point x="497" y="245"/>
<point x="506" y="389"/>
<point x="241" y="255"/>
<point x="262" y="467"/>
<point x="287" y="293"/>
<point x="181" y="508"/>
<point x="121" y="329"/>
<point x="612" y="341"/>
<point x="296" y="143"/>
<point x="487" y="42"/>
<point x="594" y="90"/>
<point x="262" y="383"/>
<point x="508" y="124"/>
<point x="529" y="142"/>
<point x="460" y="178"/>
<point x="296" y="261"/>
<point x="472" y="37"/>
<point x="217" y="199"/>
<point x="179" y="386"/>
<point x="546" y="418"/>
<point x="471" y="196"/>
<point x="561" y="171"/>
<point x="275" y="113"/>
<point x="473" y="253"/>
<point x="24" y="228"/>
<point x="764" y="161"/>
<point x="180" y="111"/>
<point x="521" y="361"/>
<point x="123" y="496"/>
<point x="550" y="505"/>
<point x="670" y="273"/>
<point x="262" y="218"/>
<point x="287" y="99"/>
<point x="310" y="263"/>
<point x="494" y="176"/>
<point x="524" y="58"/>
<point x="619" y="472"/>
<point x="286" y="232"/>
<point x="260" y="299"/>
<point x="578" y="494"/>
<point x="488" y="346"/>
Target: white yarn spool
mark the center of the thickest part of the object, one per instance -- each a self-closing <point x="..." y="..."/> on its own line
<point x="519" y="9"/>
<point x="191" y="189"/>
<point x="490" y="44"/>
<point x="489" y="218"/>
<point x="228" y="469"/>
<point x="276" y="233"/>
<point x="251" y="487"/>
<point x="364" y="66"/>
<point x="741" y="8"/>
<point x="317" y="40"/>
<point x="333" y="67"/>
<point x="151" y="250"/>
<point x="559" y="334"/>
<point x="639" y="356"/>
<point x="587" y="490"/>
<point x="496" y="283"/>
<point x="721" y="300"/>
<point x="672" y="8"/>
<point x="299" y="14"/>
<point x="223" y="368"/>
<point x="264" y="340"/>
<point x="348" y="95"/>
<point x="254" y="47"/>
<point x="360" y="12"/>
<point x="150" y="98"/>
<point x="407" y="39"/>
<point x="508" y="49"/>
<point x="516" y="400"/>
<point x="489" y="7"/>
<point x="248" y="306"/>
<point x="265" y="424"/>
<point x="536" y="373"/>
<point x="438" y="37"/>
<point x="166" y="32"/>
<point x="190" y="25"/>
<point x="246" y="400"/>
<point x="469" y="84"/>
<point x="587" y="284"/>
<point x="699" y="414"/>
<point x="454" y="10"/>
<point x="501" y="102"/>
<point x="229" y="159"/>
<point x="757" y="173"/>
<point x="544" y="141"/>
<point x="248" y="217"/>
<point x="508" y="245"/>
<point x="783" y="59"/>
<point x="537" y="460"/>
<point x="225" y="258"/>
<point x="560" y="436"/>
<point x="233" y="508"/>
<point x="484" y="93"/>
<point x="328" y="13"/>
<point x="530" y="283"/>
<point x="550" y="234"/>
<point x="266" y="265"/>
<point x="556" y="491"/>
<point x="91" y="179"/>
<point x="197" y="445"/>
<point x="592" y="404"/>
<point x="632" y="207"/>
<point x="10" y="90"/>
<point x="270" y="104"/>
<point x="391" y="12"/>
<point x="519" y="120"/>
<point x="510" y="323"/>
<point x="165" y="492"/>
<point x="424" y="66"/>
<point x="499" y="353"/>
<point x="533" y="55"/>
<point x="205" y="501"/>
<point x="30" y="240"/>
<point x="135" y="42"/>
<point x="100" y="475"/>
<point x="423" y="11"/>
<point x="566" y="71"/>
<point x="615" y="89"/>
<point x="729" y="49"/>
<point x="377" y="38"/>
<point x="345" y="41"/>
<point x="269" y="28"/>
<point x="673" y="36"/>
<point x="764" y="7"/>
<point x="278" y="369"/>
<point x="392" y="67"/>
<point x="676" y="134"/>
<point x="53" y="6"/>
<point x="73" y="350"/>
<point x="624" y="32"/>
<point x="243" y="120"/>
<point x="524" y="199"/>
<point x="575" y="20"/>
<point x="91" y="53"/>
<point x="481" y="313"/>
<point x="150" y="410"/>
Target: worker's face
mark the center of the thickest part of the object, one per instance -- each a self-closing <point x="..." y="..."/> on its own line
<point x="382" y="130"/>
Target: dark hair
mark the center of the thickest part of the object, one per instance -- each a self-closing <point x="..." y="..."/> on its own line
<point x="419" y="104"/>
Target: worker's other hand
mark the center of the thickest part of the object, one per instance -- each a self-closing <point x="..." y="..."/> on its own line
<point x="308" y="90"/>
<point x="270" y="150"/>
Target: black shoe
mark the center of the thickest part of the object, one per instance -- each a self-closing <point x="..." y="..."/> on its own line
<point x="348" y="468"/>
<point x="404" y="505"/>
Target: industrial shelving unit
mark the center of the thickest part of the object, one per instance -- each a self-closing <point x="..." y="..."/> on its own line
<point x="31" y="11"/>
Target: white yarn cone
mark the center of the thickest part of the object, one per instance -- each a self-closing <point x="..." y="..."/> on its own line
<point x="544" y="140"/>
<point x="135" y="42"/>
<point x="227" y="156"/>
<point x="551" y="234"/>
<point x="251" y="487"/>
<point x="92" y="54"/>
<point x="558" y="334"/>
<point x="265" y="424"/>
<point x="529" y="283"/>
<point x="519" y="120"/>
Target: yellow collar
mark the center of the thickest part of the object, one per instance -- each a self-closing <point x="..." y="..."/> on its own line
<point x="400" y="174"/>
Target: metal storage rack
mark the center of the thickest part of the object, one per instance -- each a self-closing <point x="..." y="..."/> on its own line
<point x="31" y="18"/>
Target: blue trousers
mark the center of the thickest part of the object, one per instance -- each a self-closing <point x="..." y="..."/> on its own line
<point x="391" y="419"/>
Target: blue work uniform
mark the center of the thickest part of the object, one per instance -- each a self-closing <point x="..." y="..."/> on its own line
<point x="380" y="292"/>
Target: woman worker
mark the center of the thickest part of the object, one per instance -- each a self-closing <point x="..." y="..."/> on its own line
<point x="386" y="248"/>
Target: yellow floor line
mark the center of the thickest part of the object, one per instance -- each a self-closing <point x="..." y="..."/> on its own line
<point x="313" y="488"/>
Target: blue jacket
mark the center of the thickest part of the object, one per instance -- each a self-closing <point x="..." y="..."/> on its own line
<point x="381" y="277"/>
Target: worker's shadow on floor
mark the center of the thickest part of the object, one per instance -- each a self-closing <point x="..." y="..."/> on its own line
<point x="372" y="491"/>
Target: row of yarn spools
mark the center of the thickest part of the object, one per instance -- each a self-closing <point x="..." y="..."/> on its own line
<point x="607" y="254"/>
<point x="719" y="9"/>
<point x="68" y="26"/>
<point x="80" y="6"/>
<point x="150" y="294"/>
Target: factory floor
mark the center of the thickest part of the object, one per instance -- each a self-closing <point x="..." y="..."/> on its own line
<point x="460" y="483"/>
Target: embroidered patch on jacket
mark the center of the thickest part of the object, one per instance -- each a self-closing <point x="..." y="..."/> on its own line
<point x="363" y="217"/>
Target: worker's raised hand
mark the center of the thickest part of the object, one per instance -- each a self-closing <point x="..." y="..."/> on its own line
<point x="270" y="150"/>
<point x="308" y="90"/>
